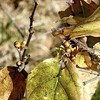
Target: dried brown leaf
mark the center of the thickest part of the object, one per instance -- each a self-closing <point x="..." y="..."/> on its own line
<point x="79" y="8"/>
<point x="12" y="84"/>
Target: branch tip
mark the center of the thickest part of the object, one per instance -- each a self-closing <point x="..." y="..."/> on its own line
<point x="30" y="29"/>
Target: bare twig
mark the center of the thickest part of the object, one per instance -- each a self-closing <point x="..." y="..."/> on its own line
<point x="91" y="80"/>
<point x="14" y="23"/>
<point x="87" y="71"/>
<point x="30" y="30"/>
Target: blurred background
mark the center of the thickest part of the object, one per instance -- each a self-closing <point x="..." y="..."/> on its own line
<point x="42" y="43"/>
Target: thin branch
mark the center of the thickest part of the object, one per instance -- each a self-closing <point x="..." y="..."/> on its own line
<point x="32" y="17"/>
<point x="14" y="23"/>
<point x="87" y="71"/>
<point x="30" y="30"/>
<point x="91" y="80"/>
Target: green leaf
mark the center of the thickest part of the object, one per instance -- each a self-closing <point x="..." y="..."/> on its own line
<point x="46" y="83"/>
<point x="70" y="82"/>
<point x="44" y="73"/>
<point x="60" y="93"/>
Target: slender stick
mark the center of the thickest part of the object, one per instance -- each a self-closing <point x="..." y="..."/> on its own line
<point x="91" y="80"/>
<point x="30" y="30"/>
<point x="87" y="71"/>
<point x="14" y="23"/>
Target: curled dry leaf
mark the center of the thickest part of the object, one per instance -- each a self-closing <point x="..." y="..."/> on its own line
<point x="12" y="84"/>
<point x="46" y="81"/>
<point x="89" y="27"/>
<point x="63" y="32"/>
<point x="64" y="27"/>
<point x="80" y="27"/>
<point x="79" y="8"/>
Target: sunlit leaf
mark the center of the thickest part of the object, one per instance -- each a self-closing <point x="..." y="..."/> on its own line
<point x="45" y="82"/>
<point x="89" y="27"/>
<point x="43" y="74"/>
<point x="70" y="82"/>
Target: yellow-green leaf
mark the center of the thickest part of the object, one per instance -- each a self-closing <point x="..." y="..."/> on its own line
<point x="70" y="82"/>
<point x="46" y="83"/>
<point x="43" y="79"/>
